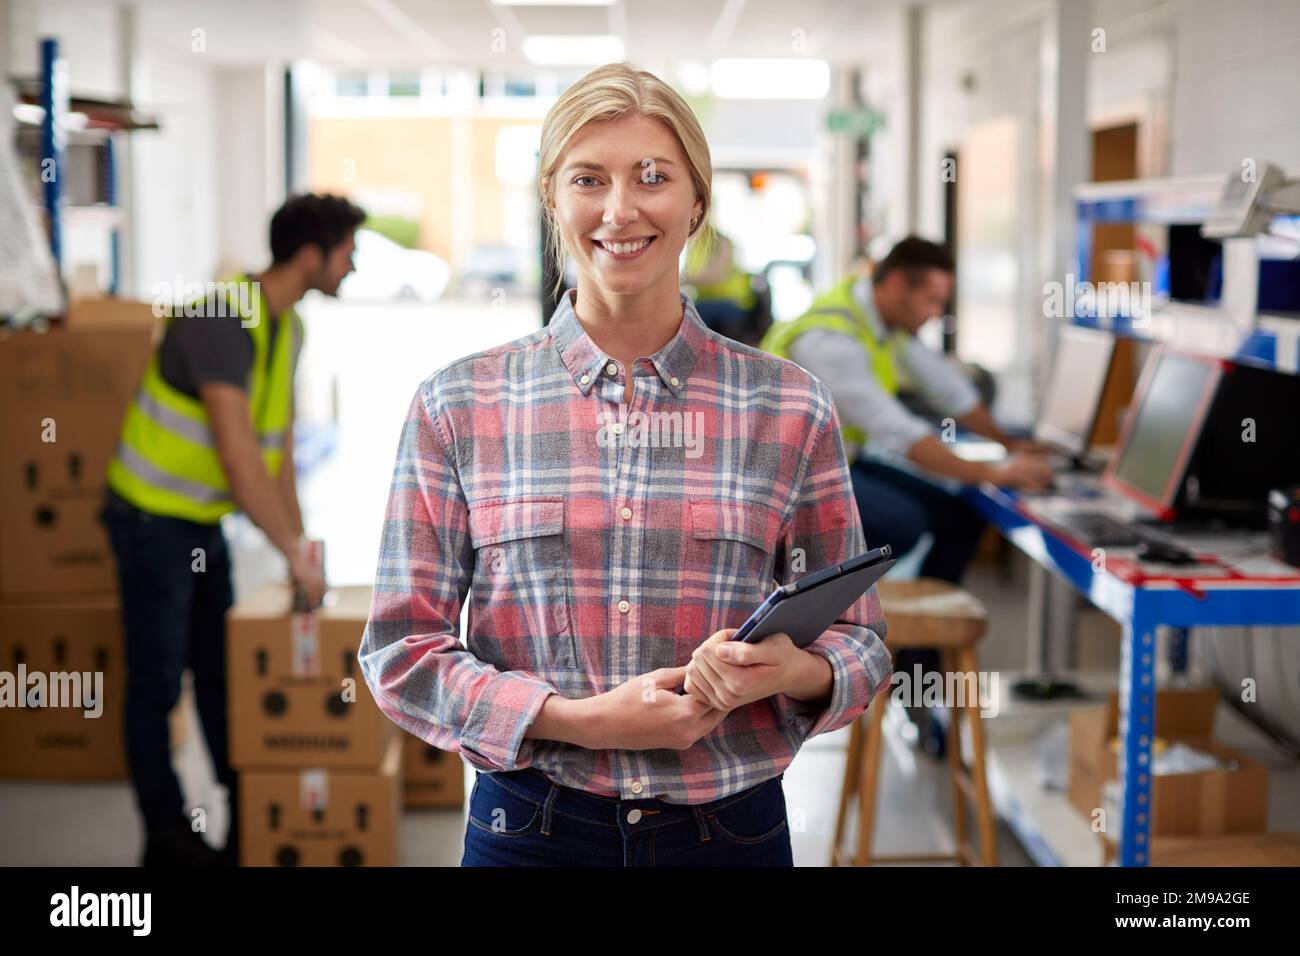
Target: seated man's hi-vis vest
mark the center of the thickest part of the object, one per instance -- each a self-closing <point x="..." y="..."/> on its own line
<point x="166" y="461"/>
<point x="838" y="311"/>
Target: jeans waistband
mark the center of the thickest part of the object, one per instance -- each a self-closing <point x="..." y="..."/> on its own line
<point x="534" y="785"/>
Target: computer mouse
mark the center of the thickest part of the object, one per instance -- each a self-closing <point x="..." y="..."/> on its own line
<point x="1162" y="553"/>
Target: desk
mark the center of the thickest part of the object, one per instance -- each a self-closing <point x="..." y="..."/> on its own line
<point x="1268" y="595"/>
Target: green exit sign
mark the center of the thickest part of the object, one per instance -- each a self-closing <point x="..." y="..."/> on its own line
<point x="860" y="122"/>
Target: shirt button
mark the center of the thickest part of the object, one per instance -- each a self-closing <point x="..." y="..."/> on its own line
<point x="585" y="379"/>
<point x="616" y="428"/>
<point x="634" y="816"/>
<point x="674" y="381"/>
<point x="611" y="368"/>
<point x="624" y="607"/>
<point x="626" y="514"/>
<point x="637" y="786"/>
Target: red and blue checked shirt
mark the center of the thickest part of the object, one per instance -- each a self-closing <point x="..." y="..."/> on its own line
<point x="597" y="542"/>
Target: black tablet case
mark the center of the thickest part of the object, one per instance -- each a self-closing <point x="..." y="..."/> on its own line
<point x="806" y="615"/>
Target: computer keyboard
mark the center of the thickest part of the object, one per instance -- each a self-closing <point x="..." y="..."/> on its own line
<point x="1098" y="529"/>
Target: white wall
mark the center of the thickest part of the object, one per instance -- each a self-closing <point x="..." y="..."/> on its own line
<point x="85" y="30"/>
<point x="980" y="65"/>
<point x="1236" y="85"/>
<point x="250" y="176"/>
<point x="179" y="216"/>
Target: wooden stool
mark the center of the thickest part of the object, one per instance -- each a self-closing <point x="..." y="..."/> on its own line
<point x="924" y="613"/>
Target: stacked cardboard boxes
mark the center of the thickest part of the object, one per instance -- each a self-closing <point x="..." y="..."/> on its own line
<point x="320" y="764"/>
<point x="1213" y="803"/>
<point x="62" y="397"/>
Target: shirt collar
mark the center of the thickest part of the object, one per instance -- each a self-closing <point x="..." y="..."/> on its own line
<point x="863" y="295"/>
<point x="586" y="362"/>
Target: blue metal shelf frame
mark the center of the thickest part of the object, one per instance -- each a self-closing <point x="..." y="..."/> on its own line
<point x="1165" y="202"/>
<point x="1140" y="610"/>
<point x="54" y="101"/>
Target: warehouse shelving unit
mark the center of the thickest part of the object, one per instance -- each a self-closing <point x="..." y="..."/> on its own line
<point x="1140" y="605"/>
<point x="1233" y="328"/>
<point x="54" y="121"/>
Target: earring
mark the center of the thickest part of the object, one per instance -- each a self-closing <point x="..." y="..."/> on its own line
<point x="694" y="220"/>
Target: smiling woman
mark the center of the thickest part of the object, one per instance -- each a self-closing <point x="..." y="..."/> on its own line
<point x="614" y="494"/>
<point x="623" y="167"/>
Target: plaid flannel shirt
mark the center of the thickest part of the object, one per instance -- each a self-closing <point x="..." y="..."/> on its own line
<point x="598" y="541"/>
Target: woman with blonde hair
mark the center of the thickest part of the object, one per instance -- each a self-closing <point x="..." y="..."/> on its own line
<point x="615" y="493"/>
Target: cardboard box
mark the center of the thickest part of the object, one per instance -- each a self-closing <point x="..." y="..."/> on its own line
<point x="62" y="399"/>
<point x="79" y="634"/>
<point x="431" y="777"/>
<point x="1198" y="804"/>
<point x="289" y="710"/>
<point x="107" y="314"/>
<point x="321" y="816"/>
<point x="1245" y="850"/>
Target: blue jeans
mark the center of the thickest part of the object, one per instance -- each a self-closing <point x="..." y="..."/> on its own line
<point x="173" y="617"/>
<point x="521" y="818"/>
<point x="897" y="507"/>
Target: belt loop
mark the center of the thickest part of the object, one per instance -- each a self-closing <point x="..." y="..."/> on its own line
<point x="546" y="809"/>
<point x="701" y="822"/>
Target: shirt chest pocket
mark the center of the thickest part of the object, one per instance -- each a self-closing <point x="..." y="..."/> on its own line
<point x="521" y="594"/>
<point x="731" y="555"/>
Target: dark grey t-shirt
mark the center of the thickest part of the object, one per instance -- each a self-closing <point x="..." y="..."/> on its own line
<point x="198" y="349"/>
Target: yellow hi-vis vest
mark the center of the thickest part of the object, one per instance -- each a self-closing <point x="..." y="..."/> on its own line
<point x="838" y="311"/>
<point x="166" y="461"/>
<point x="736" y="287"/>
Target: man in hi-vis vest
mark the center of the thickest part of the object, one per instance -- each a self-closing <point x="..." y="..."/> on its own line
<point x="211" y="431"/>
<point x="860" y="339"/>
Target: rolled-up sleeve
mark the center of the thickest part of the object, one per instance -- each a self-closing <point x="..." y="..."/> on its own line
<point x="825" y="529"/>
<point x="411" y="656"/>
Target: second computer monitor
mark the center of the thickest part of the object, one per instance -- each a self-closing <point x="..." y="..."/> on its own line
<point x="1074" y="390"/>
<point x="1162" y="428"/>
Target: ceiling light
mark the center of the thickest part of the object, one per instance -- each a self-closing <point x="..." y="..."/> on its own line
<point x="581" y="50"/>
<point x="772" y="79"/>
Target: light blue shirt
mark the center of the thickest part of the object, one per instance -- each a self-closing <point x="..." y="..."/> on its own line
<point x="846" y="370"/>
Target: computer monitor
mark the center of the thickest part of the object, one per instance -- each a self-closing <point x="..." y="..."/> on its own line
<point x="1079" y="370"/>
<point x="1162" y="428"/>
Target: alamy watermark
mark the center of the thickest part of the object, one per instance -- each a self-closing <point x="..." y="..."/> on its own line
<point x="651" y="430"/>
<point x="74" y="908"/>
<point x="209" y="300"/>
<point x="1066" y="300"/>
<point x="64" y="689"/>
<point x="946" y="689"/>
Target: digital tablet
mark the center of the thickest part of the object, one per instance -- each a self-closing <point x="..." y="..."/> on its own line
<point x="804" y="609"/>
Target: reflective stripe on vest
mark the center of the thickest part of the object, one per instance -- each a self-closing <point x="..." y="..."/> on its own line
<point x="166" y="461"/>
<point x="836" y="310"/>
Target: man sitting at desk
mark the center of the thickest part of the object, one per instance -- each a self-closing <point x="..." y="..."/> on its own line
<point x="860" y="338"/>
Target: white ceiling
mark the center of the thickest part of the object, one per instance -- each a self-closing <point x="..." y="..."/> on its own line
<point x="480" y="33"/>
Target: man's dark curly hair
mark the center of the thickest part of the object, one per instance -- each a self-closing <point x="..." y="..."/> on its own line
<point x="323" y="220"/>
